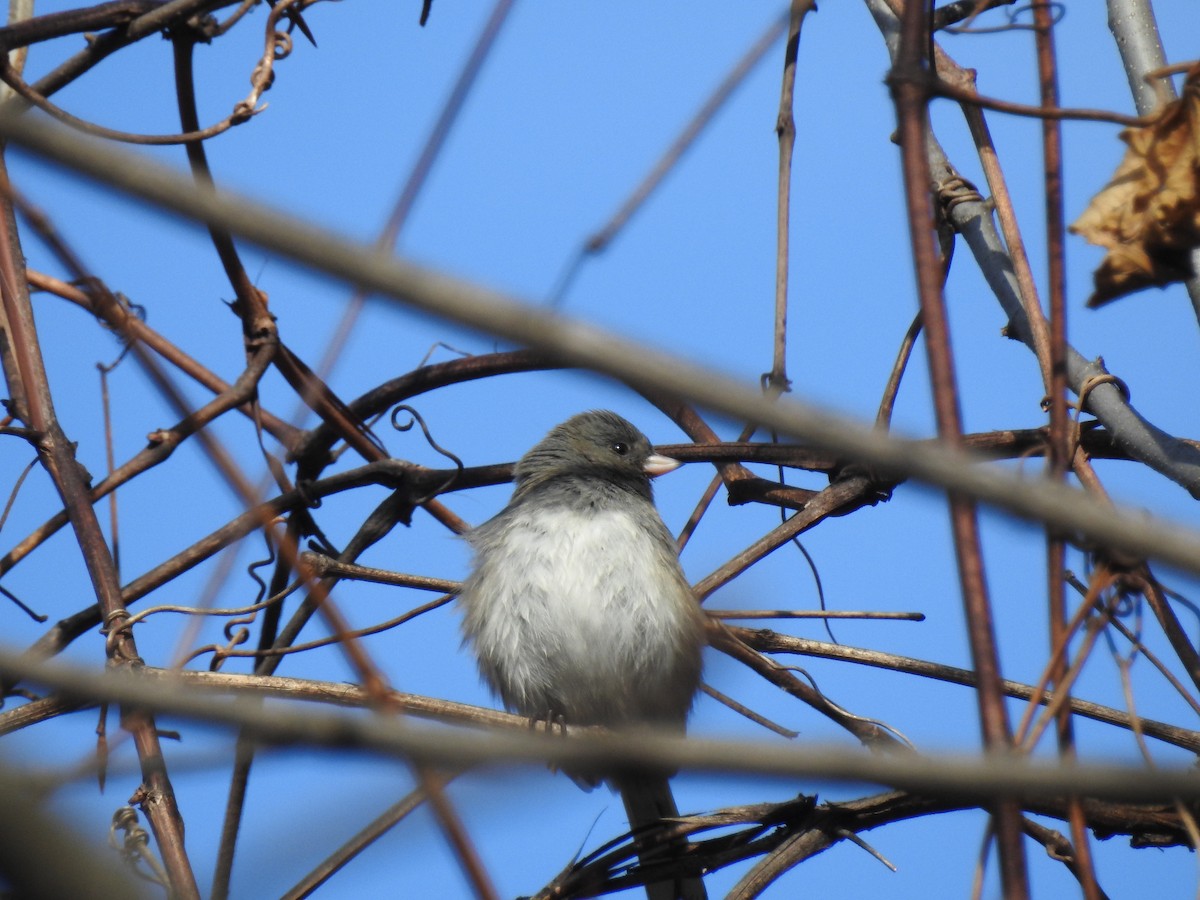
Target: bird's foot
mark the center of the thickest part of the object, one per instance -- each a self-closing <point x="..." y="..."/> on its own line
<point x="550" y="721"/>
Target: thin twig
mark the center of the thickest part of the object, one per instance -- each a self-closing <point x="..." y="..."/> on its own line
<point x="742" y="710"/>
<point x="776" y="381"/>
<point x="766" y="641"/>
<point x="602" y="237"/>
<point x="373" y="831"/>
<point x="869" y="733"/>
<point x="883" y="418"/>
<point x="911" y="101"/>
<point x="941" y="88"/>
<point x="812" y="614"/>
<point x="1061" y="451"/>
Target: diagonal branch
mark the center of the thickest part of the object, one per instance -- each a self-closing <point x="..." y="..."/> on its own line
<point x="911" y="100"/>
<point x="57" y="456"/>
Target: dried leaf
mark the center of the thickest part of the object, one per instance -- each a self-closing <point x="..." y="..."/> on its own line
<point x="1148" y="216"/>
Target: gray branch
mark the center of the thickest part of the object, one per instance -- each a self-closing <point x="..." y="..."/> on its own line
<point x="1130" y="431"/>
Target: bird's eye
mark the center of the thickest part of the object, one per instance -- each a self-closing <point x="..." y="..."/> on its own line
<point x="620" y="448"/>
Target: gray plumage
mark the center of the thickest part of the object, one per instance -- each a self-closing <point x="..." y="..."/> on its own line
<point x="576" y="605"/>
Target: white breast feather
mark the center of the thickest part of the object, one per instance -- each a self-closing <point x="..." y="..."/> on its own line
<point x="580" y="607"/>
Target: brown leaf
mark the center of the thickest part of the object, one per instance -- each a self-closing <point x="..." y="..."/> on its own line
<point x="1148" y="216"/>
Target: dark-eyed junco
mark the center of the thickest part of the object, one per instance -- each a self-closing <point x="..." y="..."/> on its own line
<point x="576" y="605"/>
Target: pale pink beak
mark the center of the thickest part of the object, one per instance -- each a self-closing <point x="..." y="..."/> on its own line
<point x="656" y="464"/>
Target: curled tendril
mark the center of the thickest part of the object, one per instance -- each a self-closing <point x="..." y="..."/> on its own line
<point x="416" y="419"/>
<point x="252" y="569"/>
<point x="1057" y="12"/>
<point x="126" y="621"/>
<point x="221" y="652"/>
<point x="237" y="634"/>
<point x="134" y="845"/>
<point x="1126" y="602"/>
<point x="116" y="623"/>
<point x="283" y="45"/>
<point x="302" y="490"/>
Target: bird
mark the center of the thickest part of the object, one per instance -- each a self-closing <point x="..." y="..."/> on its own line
<point x="577" y="608"/>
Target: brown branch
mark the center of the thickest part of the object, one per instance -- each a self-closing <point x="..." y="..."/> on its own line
<point x="110" y="461"/>
<point x="911" y="102"/>
<point x="162" y="445"/>
<point x="113" y="14"/>
<point x="148" y="18"/>
<point x="869" y="733"/>
<point x="1149" y="824"/>
<point x="831" y="823"/>
<point x="1039" y="329"/>
<point x="767" y="641"/>
<point x="742" y="710"/>
<point x="957" y="11"/>
<point x="122" y="320"/>
<point x="1000" y="444"/>
<point x="883" y="418"/>
<point x="321" y="566"/>
<point x="839" y="498"/>
<point x="26" y="91"/>
<point x="264" y="686"/>
<point x="416" y="481"/>
<point x="370" y="833"/>
<point x="1059" y="848"/>
<point x="813" y="614"/>
<point x="312" y="451"/>
<point x="1061" y="452"/>
<point x="57" y="456"/>
<point x="942" y="88"/>
<point x="776" y="380"/>
<point x="251" y="304"/>
<point x="1172" y="628"/>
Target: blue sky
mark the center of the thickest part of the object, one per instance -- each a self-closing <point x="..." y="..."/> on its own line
<point x="572" y="108"/>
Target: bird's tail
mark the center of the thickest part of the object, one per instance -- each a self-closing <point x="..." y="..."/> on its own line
<point x="648" y="800"/>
